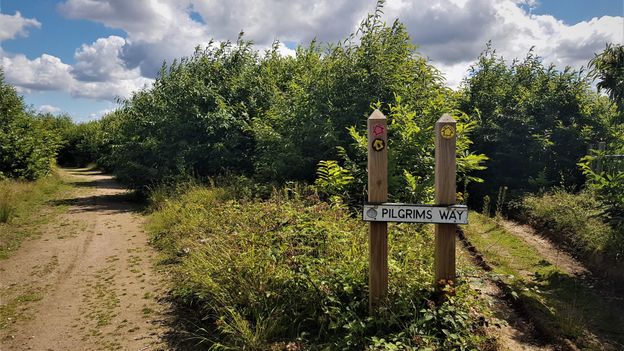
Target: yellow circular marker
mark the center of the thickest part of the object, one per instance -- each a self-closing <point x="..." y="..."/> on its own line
<point x="379" y="144"/>
<point x="447" y="132"/>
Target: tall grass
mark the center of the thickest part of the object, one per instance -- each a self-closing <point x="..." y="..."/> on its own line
<point x="11" y="192"/>
<point x="574" y="220"/>
<point x="19" y="205"/>
<point x="6" y="202"/>
<point x="291" y="273"/>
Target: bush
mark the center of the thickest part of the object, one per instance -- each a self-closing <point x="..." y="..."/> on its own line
<point x="27" y="147"/>
<point x="534" y="123"/>
<point x="265" y="275"/>
<point x="229" y="109"/>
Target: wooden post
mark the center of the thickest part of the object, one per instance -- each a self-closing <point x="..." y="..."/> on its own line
<point x="377" y="193"/>
<point x="445" y="194"/>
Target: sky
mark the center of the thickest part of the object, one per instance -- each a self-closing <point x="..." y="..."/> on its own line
<point x="82" y="56"/>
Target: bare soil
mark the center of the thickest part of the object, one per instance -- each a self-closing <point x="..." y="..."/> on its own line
<point x="88" y="282"/>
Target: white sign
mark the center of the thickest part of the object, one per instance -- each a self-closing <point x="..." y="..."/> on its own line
<point x="389" y="212"/>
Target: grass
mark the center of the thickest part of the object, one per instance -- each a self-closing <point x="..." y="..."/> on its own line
<point x="263" y="275"/>
<point x="574" y="220"/>
<point x="566" y="306"/>
<point x="17" y="307"/>
<point x="23" y="210"/>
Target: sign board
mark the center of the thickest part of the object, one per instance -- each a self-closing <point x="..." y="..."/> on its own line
<point x="410" y="213"/>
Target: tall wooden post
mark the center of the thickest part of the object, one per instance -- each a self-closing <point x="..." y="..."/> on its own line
<point x="377" y="193"/>
<point x="445" y="137"/>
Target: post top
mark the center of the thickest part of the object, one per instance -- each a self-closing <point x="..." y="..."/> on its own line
<point x="446" y="118"/>
<point x="377" y="115"/>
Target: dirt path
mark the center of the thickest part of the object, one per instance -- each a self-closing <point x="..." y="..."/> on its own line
<point x="88" y="282"/>
<point x="545" y="247"/>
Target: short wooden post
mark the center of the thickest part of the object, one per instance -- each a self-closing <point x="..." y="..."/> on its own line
<point x="377" y="193"/>
<point x="445" y="138"/>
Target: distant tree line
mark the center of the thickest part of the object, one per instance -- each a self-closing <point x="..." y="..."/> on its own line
<point x="231" y="110"/>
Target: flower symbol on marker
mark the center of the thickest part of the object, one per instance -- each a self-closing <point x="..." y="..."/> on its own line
<point x="378" y="130"/>
<point x="447" y="132"/>
<point x="379" y="144"/>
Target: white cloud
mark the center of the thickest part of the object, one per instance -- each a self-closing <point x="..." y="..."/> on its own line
<point x="296" y="20"/>
<point x="111" y="90"/>
<point x="48" y="109"/>
<point x="16" y="25"/>
<point x="157" y="30"/>
<point x="85" y="79"/>
<point x="43" y="73"/>
<point x="101" y="113"/>
<point x="100" y="61"/>
<point x="452" y="33"/>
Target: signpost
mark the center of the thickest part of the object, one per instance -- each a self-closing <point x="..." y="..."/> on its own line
<point x="445" y="214"/>
<point x="408" y="213"/>
<point x="377" y="193"/>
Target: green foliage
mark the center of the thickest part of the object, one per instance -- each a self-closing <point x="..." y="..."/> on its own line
<point x="608" y="186"/>
<point x="27" y="147"/>
<point x="264" y="275"/>
<point x="608" y="68"/>
<point x="194" y="121"/>
<point x="81" y="144"/>
<point x="575" y="220"/>
<point x="534" y="122"/>
<point x="332" y="180"/>
<point x="411" y="152"/>
<point x="229" y="109"/>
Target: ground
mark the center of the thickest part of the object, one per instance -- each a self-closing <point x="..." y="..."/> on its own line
<point x="88" y="281"/>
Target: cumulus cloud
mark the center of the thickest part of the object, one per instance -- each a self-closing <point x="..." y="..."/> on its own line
<point x="157" y="30"/>
<point x="16" y="25"/>
<point x="100" y="61"/>
<point x="451" y="33"/>
<point x="84" y="79"/>
<point x="48" y="109"/>
<point x="111" y="90"/>
<point x="297" y="20"/>
<point x="43" y="73"/>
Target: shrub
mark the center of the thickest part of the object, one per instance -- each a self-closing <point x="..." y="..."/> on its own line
<point x="264" y="275"/>
<point x="534" y="123"/>
<point x="27" y="148"/>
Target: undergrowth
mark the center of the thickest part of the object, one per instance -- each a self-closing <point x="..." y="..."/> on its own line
<point x="20" y="202"/>
<point x="574" y="220"/>
<point x="291" y="274"/>
<point x="563" y="304"/>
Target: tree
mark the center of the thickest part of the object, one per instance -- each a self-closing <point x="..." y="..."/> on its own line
<point x="608" y="68"/>
<point x="535" y="123"/>
<point x="27" y="148"/>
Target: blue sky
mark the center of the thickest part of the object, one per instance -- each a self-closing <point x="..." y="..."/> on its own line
<point x="77" y="56"/>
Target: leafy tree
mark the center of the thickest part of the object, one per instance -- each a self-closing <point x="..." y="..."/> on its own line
<point x="27" y="148"/>
<point x="534" y="122"/>
<point x="608" y="68"/>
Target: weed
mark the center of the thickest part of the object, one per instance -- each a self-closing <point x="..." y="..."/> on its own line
<point x="562" y="304"/>
<point x="295" y="272"/>
<point x="24" y="210"/>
